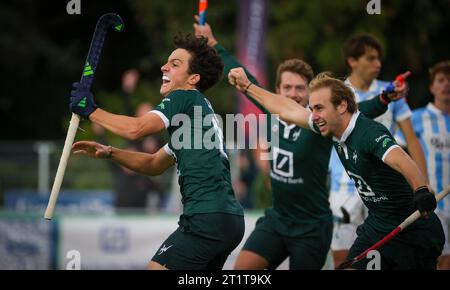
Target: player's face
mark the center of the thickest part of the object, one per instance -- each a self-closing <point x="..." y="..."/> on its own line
<point x="324" y="113"/>
<point x="175" y="72"/>
<point x="294" y="86"/>
<point x="368" y="66"/>
<point x="440" y="88"/>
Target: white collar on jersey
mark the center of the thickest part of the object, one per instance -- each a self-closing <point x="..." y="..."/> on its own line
<point x="289" y="126"/>
<point x="434" y="109"/>
<point x="349" y="129"/>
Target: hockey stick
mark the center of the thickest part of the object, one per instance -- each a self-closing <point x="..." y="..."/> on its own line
<point x="87" y="77"/>
<point x="409" y="220"/>
<point x="399" y="80"/>
<point x="202" y="8"/>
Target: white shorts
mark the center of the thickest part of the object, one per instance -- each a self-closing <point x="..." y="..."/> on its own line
<point x="445" y="220"/>
<point x="344" y="235"/>
<point x="352" y="203"/>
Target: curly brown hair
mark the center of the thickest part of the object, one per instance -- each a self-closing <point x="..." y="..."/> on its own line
<point x="204" y="60"/>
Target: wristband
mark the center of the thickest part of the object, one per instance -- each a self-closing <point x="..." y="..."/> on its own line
<point x="245" y="91"/>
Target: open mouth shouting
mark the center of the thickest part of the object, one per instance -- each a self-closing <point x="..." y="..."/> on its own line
<point x="321" y="124"/>
<point x="166" y="80"/>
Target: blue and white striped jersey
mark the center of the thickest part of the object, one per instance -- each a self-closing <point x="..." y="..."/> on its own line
<point x="397" y="111"/>
<point x="432" y="127"/>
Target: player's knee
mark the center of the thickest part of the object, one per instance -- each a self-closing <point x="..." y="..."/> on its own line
<point x="339" y="257"/>
<point x="444" y="263"/>
<point x="250" y="261"/>
<point x="152" y="265"/>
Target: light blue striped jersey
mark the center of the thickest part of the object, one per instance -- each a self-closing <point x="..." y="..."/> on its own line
<point x="432" y="127"/>
<point x="397" y="111"/>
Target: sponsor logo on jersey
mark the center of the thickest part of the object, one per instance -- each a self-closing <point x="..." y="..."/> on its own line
<point x="296" y="134"/>
<point x="386" y="141"/>
<point x="361" y="185"/>
<point x="283" y="163"/>
<point x="339" y="147"/>
<point x="440" y="142"/>
<point x="161" y="105"/>
<point x="381" y="137"/>
<point x="355" y="156"/>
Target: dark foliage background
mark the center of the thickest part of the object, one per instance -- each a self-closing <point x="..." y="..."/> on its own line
<point x="42" y="49"/>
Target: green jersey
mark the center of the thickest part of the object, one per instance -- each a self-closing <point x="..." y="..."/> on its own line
<point x="298" y="172"/>
<point x="385" y="192"/>
<point x="202" y="165"/>
<point x="299" y="165"/>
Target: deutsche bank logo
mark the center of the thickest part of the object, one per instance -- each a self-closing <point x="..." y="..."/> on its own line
<point x="283" y="162"/>
<point x="114" y="239"/>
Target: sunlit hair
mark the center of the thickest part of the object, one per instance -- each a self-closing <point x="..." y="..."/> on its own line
<point x="339" y="90"/>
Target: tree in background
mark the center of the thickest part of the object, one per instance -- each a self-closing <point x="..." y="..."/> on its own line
<point x="42" y="49"/>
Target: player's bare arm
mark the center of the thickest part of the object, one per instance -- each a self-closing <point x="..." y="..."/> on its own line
<point x="288" y="109"/>
<point x="144" y="163"/>
<point x="399" y="160"/>
<point x="132" y="128"/>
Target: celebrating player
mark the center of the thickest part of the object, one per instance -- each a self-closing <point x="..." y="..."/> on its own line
<point x="299" y="224"/>
<point x="212" y="223"/>
<point x="388" y="181"/>
<point x="362" y="56"/>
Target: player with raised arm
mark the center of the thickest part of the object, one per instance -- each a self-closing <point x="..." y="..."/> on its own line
<point x="362" y="55"/>
<point x="299" y="223"/>
<point x="212" y="223"/>
<point x="388" y="180"/>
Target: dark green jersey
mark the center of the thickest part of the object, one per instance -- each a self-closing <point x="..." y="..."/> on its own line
<point x="384" y="191"/>
<point x="202" y="164"/>
<point x="298" y="172"/>
<point x="299" y="166"/>
<point x="298" y="169"/>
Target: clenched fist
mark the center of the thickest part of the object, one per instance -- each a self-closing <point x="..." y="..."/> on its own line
<point x="239" y="79"/>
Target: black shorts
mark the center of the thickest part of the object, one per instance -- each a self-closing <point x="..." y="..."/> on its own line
<point x="307" y="250"/>
<point x="201" y="242"/>
<point x="417" y="248"/>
